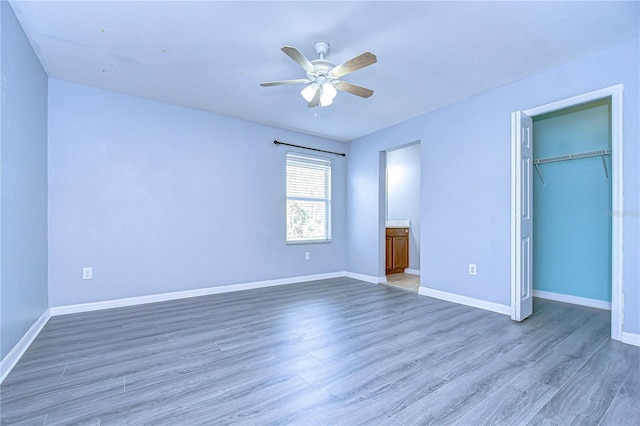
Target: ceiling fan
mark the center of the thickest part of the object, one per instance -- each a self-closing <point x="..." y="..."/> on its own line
<point x="324" y="76"/>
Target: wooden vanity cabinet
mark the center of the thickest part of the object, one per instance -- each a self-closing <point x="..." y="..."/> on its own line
<point x="397" y="250"/>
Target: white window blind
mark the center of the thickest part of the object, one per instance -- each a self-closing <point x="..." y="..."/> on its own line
<point x="308" y="198"/>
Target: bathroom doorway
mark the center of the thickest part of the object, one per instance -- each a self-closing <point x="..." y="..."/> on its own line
<point x="402" y="217"/>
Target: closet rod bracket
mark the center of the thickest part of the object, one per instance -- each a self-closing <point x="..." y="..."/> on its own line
<point x="538" y="170"/>
<point x="604" y="165"/>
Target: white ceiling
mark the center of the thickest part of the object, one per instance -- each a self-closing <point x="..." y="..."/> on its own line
<point x="213" y="55"/>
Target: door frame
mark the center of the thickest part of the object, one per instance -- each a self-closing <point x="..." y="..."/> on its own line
<point x="382" y="206"/>
<point x="617" y="198"/>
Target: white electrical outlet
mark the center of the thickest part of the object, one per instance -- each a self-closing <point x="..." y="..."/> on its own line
<point x="87" y="273"/>
<point x="307" y="255"/>
<point x="473" y="270"/>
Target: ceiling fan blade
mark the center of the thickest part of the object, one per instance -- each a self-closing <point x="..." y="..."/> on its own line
<point x="295" y="54"/>
<point x="363" y="92"/>
<point x="364" y="60"/>
<point x="286" y="82"/>
<point x="316" y="100"/>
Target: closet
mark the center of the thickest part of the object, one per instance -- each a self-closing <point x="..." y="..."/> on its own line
<point x="572" y="203"/>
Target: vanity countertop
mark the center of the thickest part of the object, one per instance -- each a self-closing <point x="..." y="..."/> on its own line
<point x="397" y="224"/>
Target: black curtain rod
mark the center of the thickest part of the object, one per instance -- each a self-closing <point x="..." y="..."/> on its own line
<point x="312" y="149"/>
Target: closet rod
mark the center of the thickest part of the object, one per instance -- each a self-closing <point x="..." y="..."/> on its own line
<point x="573" y="156"/>
<point x="306" y="147"/>
<point x="601" y="153"/>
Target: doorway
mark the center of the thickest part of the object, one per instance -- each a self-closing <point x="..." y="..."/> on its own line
<point x="522" y="201"/>
<point x="402" y="216"/>
<point x="572" y="205"/>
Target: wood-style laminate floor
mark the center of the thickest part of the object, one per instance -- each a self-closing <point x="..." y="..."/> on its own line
<point x="335" y="351"/>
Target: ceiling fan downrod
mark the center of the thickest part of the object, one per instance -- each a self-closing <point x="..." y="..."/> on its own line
<point x="321" y="48"/>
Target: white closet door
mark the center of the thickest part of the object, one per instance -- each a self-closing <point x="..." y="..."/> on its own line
<point x="522" y="222"/>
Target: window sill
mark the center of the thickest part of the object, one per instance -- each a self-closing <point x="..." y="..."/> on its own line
<point x="308" y="242"/>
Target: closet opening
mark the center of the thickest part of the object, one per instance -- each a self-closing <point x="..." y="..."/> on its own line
<point x="572" y="205"/>
<point x="566" y="204"/>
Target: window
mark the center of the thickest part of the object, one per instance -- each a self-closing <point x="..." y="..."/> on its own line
<point x="308" y="198"/>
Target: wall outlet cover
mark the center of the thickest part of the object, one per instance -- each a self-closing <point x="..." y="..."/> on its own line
<point x="473" y="269"/>
<point x="87" y="273"/>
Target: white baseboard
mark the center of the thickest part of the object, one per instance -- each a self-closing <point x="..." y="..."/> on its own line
<point x="163" y="297"/>
<point x="367" y="278"/>
<point x="630" y="338"/>
<point x="574" y="300"/>
<point x="12" y="358"/>
<point x="412" y="271"/>
<point x="464" y="300"/>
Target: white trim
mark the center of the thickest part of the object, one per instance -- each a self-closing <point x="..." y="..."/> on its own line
<point x="515" y="223"/>
<point x="630" y="338"/>
<point x="617" y="193"/>
<point x="367" y="278"/>
<point x="412" y="271"/>
<point x="464" y="300"/>
<point x="574" y="300"/>
<point x="575" y="100"/>
<point x="12" y="358"/>
<point x="617" y="206"/>
<point x="162" y="297"/>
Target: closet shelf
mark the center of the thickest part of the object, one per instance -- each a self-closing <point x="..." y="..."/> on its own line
<point x="600" y="153"/>
<point x="573" y="156"/>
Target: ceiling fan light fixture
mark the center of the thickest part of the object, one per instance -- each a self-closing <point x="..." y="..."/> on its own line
<point x="309" y="92"/>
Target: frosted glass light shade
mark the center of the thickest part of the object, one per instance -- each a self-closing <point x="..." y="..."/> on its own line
<point x="329" y="90"/>
<point x="309" y="92"/>
<point x="328" y="93"/>
<point x="325" y="101"/>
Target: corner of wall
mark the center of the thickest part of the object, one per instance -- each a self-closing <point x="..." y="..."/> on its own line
<point x="23" y="209"/>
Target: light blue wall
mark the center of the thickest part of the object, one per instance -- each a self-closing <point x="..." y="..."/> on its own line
<point x="571" y="212"/>
<point x="23" y="285"/>
<point x="159" y="198"/>
<point x="465" y="148"/>
<point x="403" y="194"/>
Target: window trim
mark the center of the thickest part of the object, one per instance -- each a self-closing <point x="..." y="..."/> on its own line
<point x="327" y="200"/>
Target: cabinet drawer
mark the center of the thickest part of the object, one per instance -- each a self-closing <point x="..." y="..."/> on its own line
<point x="397" y="232"/>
